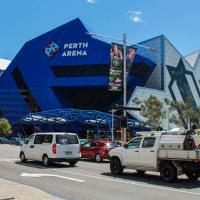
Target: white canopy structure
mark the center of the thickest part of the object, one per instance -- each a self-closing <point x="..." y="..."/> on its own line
<point x="4" y="64"/>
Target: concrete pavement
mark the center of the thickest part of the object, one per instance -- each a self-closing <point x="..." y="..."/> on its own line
<point x="11" y="190"/>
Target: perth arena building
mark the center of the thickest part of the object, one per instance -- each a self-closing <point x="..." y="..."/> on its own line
<point x="67" y="68"/>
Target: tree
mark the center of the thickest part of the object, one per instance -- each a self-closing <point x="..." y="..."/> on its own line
<point x="188" y="113"/>
<point x="5" y="127"/>
<point x="152" y="109"/>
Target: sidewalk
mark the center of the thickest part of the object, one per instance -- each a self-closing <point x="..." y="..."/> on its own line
<point x="14" y="191"/>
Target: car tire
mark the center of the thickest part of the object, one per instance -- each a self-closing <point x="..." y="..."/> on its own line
<point x="140" y="172"/>
<point x="168" y="172"/>
<point x="45" y="160"/>
<point x="72" y="163"/>
<point x="193" y="175"/>
<point x="22" y="157"/>
<point x="116" y="167"/>
<point x="98" y="158"/>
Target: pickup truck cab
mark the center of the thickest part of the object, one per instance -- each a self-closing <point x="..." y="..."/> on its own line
<point x="144" y="153"/>
<point x="51" y="147"/>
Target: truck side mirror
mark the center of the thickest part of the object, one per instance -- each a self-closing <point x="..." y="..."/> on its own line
<point x="126" y="146"/>
<point x="25" y="141"/>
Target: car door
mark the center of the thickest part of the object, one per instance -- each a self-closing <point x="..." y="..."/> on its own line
<point x="29" y="147"/>
<point x="148" y="153"/>
<point x="38" y="147"/>
<point x="92" y="150"/>
<point x="85" y="150"/>
<point x="131" y="153"/>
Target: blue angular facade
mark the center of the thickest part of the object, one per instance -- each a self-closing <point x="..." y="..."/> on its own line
<point x="65" y="68"/>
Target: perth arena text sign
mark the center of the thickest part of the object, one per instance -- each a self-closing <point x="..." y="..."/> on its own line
<point x="75" y="49"/>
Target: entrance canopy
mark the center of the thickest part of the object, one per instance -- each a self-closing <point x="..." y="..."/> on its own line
<point x="72" y="120"/>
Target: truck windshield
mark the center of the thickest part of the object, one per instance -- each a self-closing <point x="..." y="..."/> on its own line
<point x="66" y="139"/>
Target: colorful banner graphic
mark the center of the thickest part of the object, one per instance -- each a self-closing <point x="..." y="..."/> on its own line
<point x="116" y="68"/>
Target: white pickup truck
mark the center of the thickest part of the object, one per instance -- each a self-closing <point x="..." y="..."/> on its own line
<point x="153" y="153"/>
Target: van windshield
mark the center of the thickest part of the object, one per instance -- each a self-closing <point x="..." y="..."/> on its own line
<point x="66" y="139"/>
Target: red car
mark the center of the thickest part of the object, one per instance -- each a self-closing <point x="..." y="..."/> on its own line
<point x="97" y="149"/>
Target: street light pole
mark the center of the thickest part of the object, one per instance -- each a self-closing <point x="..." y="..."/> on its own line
<point x="125" y="42"/>
<point x="124" y="82"/>
<point x="112" y="131"/>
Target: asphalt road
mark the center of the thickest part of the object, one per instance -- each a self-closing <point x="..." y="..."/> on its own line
<point x="92" y="181"/>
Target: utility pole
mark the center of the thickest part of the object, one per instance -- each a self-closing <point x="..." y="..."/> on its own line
<point x="125" y="42"/>
<point x="124" y="84"/>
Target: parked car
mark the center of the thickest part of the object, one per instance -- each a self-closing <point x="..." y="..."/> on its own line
<point x="97" y="149"/>
<point x="51" y="147"/>
<point x="2" y="140"/>
<point x="15" y="141"/>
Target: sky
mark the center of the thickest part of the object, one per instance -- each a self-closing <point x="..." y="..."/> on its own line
<point x="178" y="20"/>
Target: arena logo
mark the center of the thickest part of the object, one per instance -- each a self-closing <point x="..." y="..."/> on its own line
<point x="51" y="49"/>
<point x="75" y="49"/>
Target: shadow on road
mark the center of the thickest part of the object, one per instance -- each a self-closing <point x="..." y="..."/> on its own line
<point x="39" y="165"/>
<point x="93" y="161"/>
<point x="155" y="180"/>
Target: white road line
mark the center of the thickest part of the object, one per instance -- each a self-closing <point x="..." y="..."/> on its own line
<point x="8" y="160"/>
<point x="131" y="183"/>
<point x="33" y="175"/>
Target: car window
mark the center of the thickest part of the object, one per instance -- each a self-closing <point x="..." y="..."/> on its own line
<point x="100" y="144"/>
<point x="135" y="143"/>
<point x="48" y="139"/>
<point x="66" y="139"/>
<point x="30" y="139"/>
<point x="113" y="144"/>
<point x="148" y="142"/>
<point x="93" y="144"/>
<point x="88" y="144"/>
<point x="39" y="139"/>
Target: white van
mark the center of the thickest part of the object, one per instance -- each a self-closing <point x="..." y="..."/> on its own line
<point x="51" y="147"/>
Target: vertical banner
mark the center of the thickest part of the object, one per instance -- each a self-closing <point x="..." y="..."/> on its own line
<point x="130" y="55"/>
<point x="116" y="68"/>
<point x="115" y="78"/>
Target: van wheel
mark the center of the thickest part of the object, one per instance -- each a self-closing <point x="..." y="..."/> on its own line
<point x="22" y="157"/>
<point x="140" y="172"/>
<point x="72" y="163"/>
<point x="116" y="167"/>
<point x="45" y="160"/>
<point x="98" y="158"/>
<point x="193" y="175"/>
<point x="168" y="172"/>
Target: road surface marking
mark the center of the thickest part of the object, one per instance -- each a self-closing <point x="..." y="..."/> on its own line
<point x="128" y="182"/>
<point x="49" y="175"/>
<point x="8" y="160"/>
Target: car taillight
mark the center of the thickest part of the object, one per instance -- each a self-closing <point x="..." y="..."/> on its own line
<point x="54" y="148"/>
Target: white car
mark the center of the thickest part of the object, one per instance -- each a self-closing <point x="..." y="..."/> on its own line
<point x="51" y="147"/>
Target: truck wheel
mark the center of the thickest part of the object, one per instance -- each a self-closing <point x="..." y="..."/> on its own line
<point x="168" y="172"/>
<point x="22" y="157"/>
<point x="193" y="175"/>
<point x="116" y="167"/>
<point x="140" y="172"/>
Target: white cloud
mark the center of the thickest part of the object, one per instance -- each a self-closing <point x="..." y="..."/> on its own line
<point x="135" y="16"/>
<point x="91" y="1"/>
